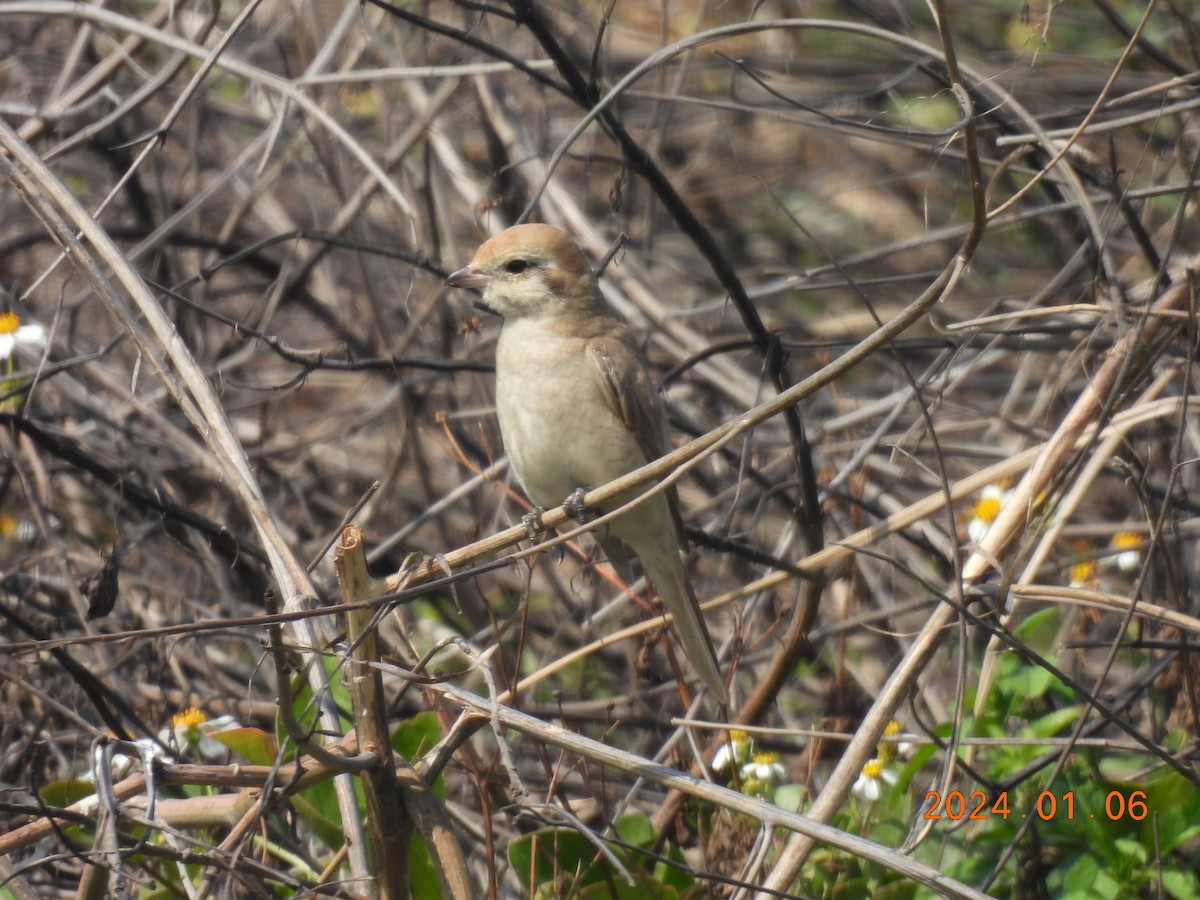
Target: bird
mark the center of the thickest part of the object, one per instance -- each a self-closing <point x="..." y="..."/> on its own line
<point x="578" y="408"/>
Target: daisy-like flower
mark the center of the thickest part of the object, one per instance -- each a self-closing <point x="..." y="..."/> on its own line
<point x="734" y="752"/>
<point x="765" y="768"/>
<point x="13" y="335"/>
<point x="890" y="750"/>
<point x="190" y="729"/>
<point x="1084" y="574"/>
<point x="874" y="774"/>
<point x="985" y="510"/>
<point x="1128" y="557"/>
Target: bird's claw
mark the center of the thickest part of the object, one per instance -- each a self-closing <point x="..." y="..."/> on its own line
<point x="532" y="521"/>
<point x="574" y="506"/>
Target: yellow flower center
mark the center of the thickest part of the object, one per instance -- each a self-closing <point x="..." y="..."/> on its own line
<point x="8" y="526"/>
<point x="9" y="323"/>
<point x="892" y="729"/>
<point x="873" y="768"/>
<point x="1124" y="540"/>
<point x="766" y="758"/>
<point x="189" y="718"/>
<point x="1082" y="573"/>
<point x="987" y="508"/>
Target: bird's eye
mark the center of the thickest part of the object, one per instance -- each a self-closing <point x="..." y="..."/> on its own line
<point x="516" y="266"/>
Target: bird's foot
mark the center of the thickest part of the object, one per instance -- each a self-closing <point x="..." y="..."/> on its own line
<point x="574" y="506"/>
<point x="532" y="521"/>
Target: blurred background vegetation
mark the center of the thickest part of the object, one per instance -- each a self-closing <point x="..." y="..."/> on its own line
<point x="293" y="181"/>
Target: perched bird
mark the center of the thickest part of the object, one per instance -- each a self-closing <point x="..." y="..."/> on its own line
<point x="577" y="407"/>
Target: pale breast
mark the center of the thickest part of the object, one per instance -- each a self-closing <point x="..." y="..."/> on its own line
<point x="558" y="427"/>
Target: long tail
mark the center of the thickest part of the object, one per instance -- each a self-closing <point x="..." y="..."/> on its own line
<point x="660" y="560"/>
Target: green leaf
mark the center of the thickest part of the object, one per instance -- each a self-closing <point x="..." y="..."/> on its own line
<point x="253" y="744"/>
<point x="328" y="830"/>
<point x="1039" y="631"/>
<point x="415" y="737"/>
<point x="64" y="793"/>
<point x="894" y="890"/>
<point x="1082" y="874"/>
<point x="1180" y="885"/>
<point x="423" y="876"/>
<point x="1107" y="886"/>
<point x="554" y="857"/>
<point x="1052" y="723"/>
<point x="1133" y="849"/>
<point x="678" y="876"/>
<point x="637" y="829"/>
<point x="317" y="805"/>
<point x="304" y="710"/>
<point x="621" y="889"/>
<point x="1173" y="811"/>
<point x="934" y="112"/>
<point x="1027" y="682"/>
<point x="790" y="797"/>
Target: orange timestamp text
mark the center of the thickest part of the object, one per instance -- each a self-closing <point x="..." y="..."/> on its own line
<point x="955" y="805"/>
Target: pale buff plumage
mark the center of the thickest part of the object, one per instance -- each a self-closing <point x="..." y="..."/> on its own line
<point x="577" y="407"/>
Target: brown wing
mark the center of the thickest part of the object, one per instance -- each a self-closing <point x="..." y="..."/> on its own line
<point x="632" y="396"/>
<point x="629" y="392"/>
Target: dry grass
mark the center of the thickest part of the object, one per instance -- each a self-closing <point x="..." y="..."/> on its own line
<point x="798" y="186"/>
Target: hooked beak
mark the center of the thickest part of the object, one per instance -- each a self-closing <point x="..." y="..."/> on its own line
<point x="469" y="277"/>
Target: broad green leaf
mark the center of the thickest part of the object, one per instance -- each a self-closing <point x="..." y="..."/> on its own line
<point x="253" y="744"/>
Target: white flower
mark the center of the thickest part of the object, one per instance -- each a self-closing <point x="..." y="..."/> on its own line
<point x="977" y="529"/>
<point x="13" y="335"/>
<point x="12" y="529"/>
<point x="190" y="729"/>
<point x="1128" y="557"/>
<point x="735" y="751"/>
<point x="764" y="768"/>
<point x="1083" y="574"/>
<point x="985" y="510"/>
<point x="889" y="750"/>
<point x="869" y="780"/>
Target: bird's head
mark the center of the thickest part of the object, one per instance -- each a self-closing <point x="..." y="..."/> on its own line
<point x="529" y="270"/>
